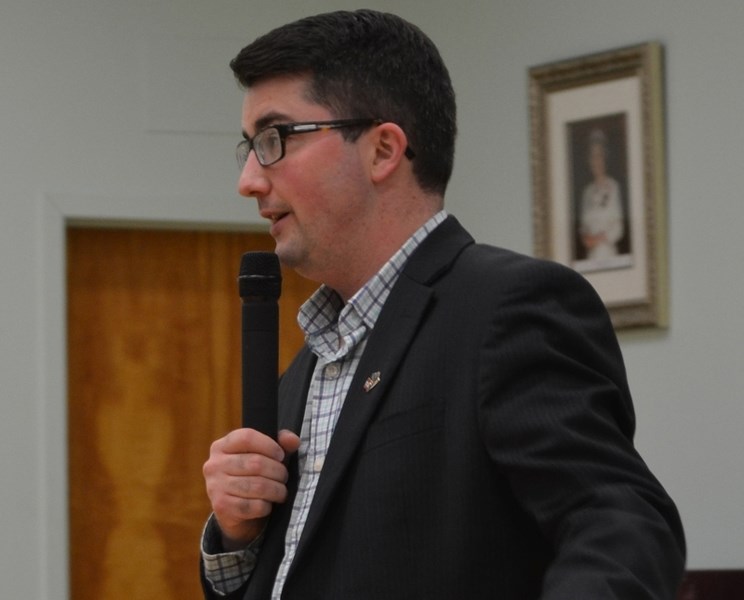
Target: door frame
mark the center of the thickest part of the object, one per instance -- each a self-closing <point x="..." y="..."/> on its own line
<point x="55" y="213"/>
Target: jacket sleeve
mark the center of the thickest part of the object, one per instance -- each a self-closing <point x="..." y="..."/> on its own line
<point x="211" y="548"/>
<point x="558" y="420"/>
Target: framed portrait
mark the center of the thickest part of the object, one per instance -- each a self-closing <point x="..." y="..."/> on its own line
<point x="598" y="176"/>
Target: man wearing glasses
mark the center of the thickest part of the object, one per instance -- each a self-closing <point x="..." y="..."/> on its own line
<point x="459" y="423"/>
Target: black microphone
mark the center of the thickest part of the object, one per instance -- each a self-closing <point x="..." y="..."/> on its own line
<point x="260" y="284"/>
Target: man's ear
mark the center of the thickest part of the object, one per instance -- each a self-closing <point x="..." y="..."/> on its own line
<point x="390" y="143"/>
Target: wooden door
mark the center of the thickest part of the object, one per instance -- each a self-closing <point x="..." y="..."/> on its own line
<point x="154" y="378"/>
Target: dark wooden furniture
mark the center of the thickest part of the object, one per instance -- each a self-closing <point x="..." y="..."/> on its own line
<point x="713" y="585"/>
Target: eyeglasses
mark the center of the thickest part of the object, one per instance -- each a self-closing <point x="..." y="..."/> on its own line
<point x="269" y="143"/>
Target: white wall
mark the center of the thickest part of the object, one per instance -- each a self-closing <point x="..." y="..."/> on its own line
<point x="125" y="111"/>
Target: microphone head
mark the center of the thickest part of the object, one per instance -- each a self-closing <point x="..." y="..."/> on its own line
<point x="260" y="275"/>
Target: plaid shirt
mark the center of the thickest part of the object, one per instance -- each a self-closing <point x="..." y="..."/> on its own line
<point x="337" y="334"/>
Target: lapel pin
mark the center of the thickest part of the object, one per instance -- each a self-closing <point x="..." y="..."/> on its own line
<point x="372" y="381"/>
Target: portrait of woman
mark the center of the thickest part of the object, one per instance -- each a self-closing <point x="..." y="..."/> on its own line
<point x="602" y="236"/>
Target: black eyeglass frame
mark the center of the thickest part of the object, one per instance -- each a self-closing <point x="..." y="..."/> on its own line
<point x="284" y="130"/>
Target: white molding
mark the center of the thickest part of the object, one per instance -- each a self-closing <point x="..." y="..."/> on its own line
<point x="53" y="496"/>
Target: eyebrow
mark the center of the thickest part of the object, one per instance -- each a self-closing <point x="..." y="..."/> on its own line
<point x="269" y="119"/>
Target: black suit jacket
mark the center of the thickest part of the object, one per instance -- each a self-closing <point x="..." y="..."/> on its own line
<point x="493" y="460"/>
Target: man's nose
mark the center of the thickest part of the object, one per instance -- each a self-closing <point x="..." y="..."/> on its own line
<point x="253" y="180"/>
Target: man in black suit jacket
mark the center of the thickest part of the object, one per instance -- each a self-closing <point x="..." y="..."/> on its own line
<point x="459" y="423"/>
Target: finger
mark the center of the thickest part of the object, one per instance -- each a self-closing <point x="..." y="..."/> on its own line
<point x="220" y="466"/>
<point x="233" y="510"/>
<point x="256" y="488"/>
<point x="245" y="440"/>
<point x="237" y="499"/>
<point x="240" y="498"/>
<point x="256" y="465"/>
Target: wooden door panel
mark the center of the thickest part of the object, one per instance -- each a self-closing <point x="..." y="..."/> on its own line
<point x="154" y="377"/>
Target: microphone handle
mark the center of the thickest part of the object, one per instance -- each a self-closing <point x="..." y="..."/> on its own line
<point x="260" y="327"/>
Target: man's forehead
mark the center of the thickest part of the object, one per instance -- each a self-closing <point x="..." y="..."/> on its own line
<point x="279" y="100"/>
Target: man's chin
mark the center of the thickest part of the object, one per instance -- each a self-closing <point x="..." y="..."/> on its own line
<point x="287" y="257"/>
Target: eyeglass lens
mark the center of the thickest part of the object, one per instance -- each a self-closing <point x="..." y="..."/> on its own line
<point x="267" y="145"/>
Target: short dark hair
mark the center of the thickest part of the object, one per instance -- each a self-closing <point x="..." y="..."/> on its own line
<point x="367" y="64"/>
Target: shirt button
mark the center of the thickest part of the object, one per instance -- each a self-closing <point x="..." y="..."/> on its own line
<point x="318" y="464"/>
<point x="332" y="371"/>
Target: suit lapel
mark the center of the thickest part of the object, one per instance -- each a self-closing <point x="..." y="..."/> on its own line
<point x="393" y="333"/>
<point x="375" y="371"/>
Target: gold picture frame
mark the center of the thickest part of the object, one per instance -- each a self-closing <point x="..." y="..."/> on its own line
<point x="598" y="176"/>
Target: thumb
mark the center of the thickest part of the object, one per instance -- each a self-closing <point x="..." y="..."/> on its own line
<point x="289" y="441"/>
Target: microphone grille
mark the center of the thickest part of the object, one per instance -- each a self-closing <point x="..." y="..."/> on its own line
<point x="260" y="275"/>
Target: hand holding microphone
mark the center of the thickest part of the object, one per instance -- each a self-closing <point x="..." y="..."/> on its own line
<point x="242" y="492"/>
